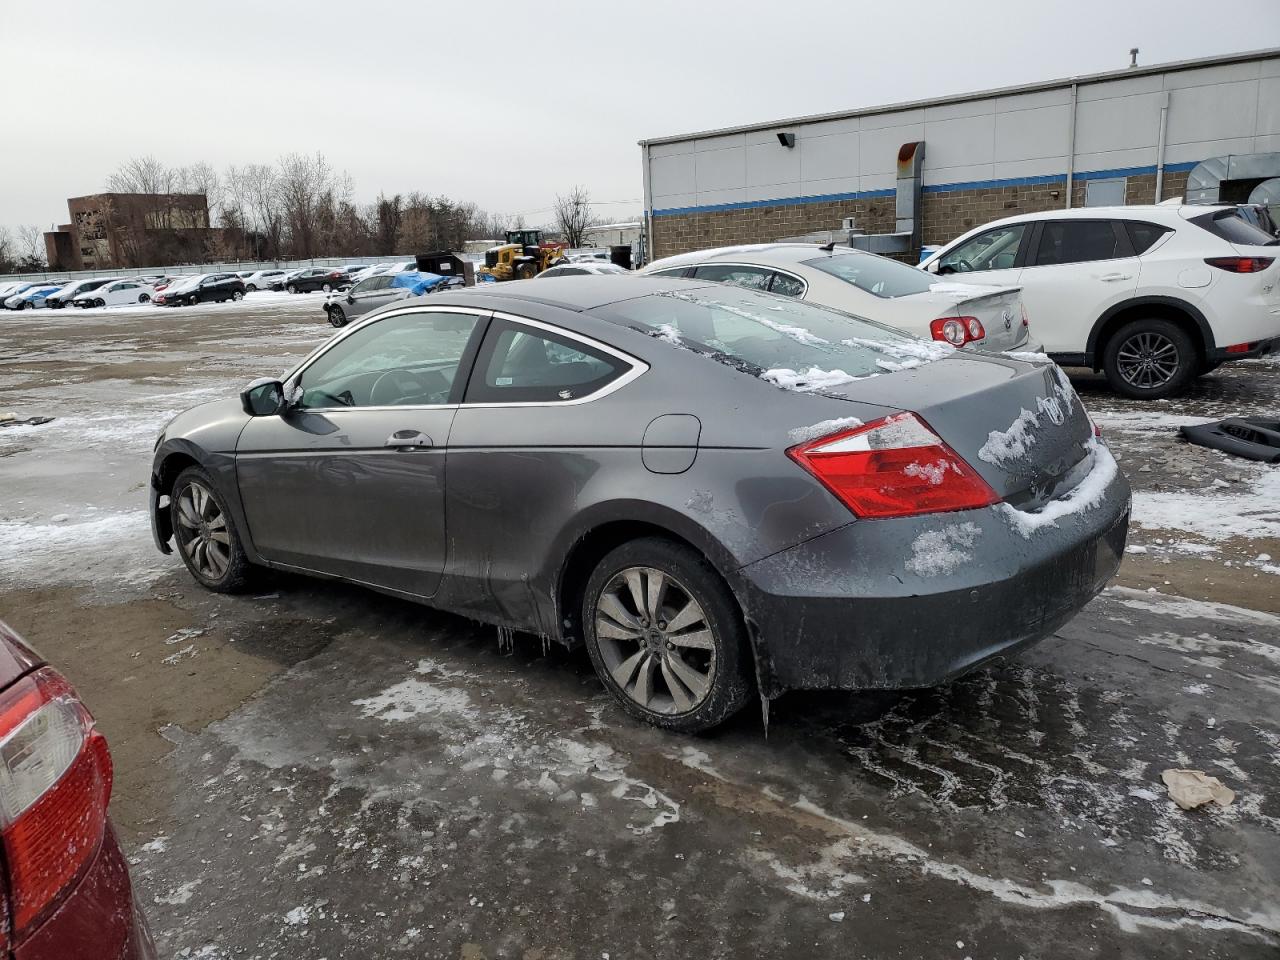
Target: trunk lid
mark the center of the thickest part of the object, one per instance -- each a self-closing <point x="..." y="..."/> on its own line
<point x="999" y="309"/>
<point x="1019" y="424"/>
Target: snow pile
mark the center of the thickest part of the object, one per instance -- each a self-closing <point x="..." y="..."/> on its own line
<point x="823" y="429"/>
<point x="1215" y="514"/>
<point x="896" y="367"/>
<point x="905" y="348"/>
<point x="1003" y="446"/>
<point x="1084" y="497"/>
<point x="669" y="333"/>
<point x="815" y="378"/>
<point x="934" y="472"/>
<point x="1028" y="357"/>
<point x="937" y="552"/>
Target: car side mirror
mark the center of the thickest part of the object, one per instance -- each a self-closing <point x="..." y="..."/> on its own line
<point x="351" y="297"/>
<point x="263" y="398"/>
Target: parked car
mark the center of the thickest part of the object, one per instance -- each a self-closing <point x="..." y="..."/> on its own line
<point x="963" y="315"/>
<point x="32" y="296"/>
<point x="261" y="279"/>
<point x="705" y="485"/>
<point x="115" y="293"/>
<point x="68" y="895"/>
<point x="68" y="293"/>
<point x="400" y="266"/>
<point x="316" y="278"/>
<point x="277" y="284"/>
<point x="377" y="291"/>
<point x="205" y="288"/>
<point x="1153" y="296"/>
<point x="582" y="268"/>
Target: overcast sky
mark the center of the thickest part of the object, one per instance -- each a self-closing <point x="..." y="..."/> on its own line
<point x="507" y="104"/>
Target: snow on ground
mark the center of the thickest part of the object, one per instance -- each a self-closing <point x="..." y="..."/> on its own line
<point x="1219" y="512"/>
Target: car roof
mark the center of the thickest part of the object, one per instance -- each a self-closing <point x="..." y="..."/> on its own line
<point x="576" y="293"/>
<point x="763" y="253"/>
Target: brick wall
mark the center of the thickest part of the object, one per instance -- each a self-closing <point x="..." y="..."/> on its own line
<point x="946" y="214"/>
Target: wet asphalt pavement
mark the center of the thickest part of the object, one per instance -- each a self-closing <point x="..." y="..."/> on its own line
<point x="314" y="770"/>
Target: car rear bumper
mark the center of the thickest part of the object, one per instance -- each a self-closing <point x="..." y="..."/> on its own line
<point x="100" y="920"/>
<point x="1255" y="348"/>
<point x="895" y="604"/>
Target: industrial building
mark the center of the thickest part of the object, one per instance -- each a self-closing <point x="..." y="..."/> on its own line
<point x="109" y="230"/>
<point x="924" y="172"/>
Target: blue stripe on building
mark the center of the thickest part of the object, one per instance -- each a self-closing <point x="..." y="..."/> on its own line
<point x="933" y="188"/>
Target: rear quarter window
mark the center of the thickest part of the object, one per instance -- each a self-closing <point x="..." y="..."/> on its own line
<point x="1143" y="235"/>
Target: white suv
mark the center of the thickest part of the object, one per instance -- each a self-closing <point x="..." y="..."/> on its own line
<point x="1152" y="296"/>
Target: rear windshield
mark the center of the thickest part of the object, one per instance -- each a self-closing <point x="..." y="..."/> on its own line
<point x="1233" y="228"/>
<point x="792" y="344"/>
<point x="876" y="275"/>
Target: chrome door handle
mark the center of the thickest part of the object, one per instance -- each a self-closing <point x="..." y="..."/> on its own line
<point x="408" y="440"/>
<point x="1112" y="277"/>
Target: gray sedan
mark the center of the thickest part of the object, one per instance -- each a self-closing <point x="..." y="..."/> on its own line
<point x="718" y="492"/>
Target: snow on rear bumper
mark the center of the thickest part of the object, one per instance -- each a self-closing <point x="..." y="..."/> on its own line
<point x="911" y="602"/>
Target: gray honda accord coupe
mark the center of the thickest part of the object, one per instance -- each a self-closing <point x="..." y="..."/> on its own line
<point x="719" y="492"/>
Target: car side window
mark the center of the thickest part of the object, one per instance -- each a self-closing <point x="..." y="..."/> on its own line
<point x="786" y="286"/>
<point x="1143" y="236"/>
<point x="670" y="272"/>
<point x="993" y="250"/>
<point x="753" y="278"/>
<point x="1076" y="241"/>
<point x="411" y="358"/>
<point x="520" y="364"/>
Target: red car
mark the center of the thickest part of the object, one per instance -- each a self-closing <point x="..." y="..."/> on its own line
<point x="66" y="894"/>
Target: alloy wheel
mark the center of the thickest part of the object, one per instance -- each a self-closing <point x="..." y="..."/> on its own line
<point x="1148" y="359"/>
<point x="202" y="531"/>
<point x="655" y="640"/>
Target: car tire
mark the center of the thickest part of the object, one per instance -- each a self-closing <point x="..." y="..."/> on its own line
<point x="99" y="302"/>
<point x="326" y="287"/>
<point x="251" y="288"/>
<point x="206" y="534"/>
<point x="688" y="673"/>
<point x="193" y="301"/>
<point x="337" y="317"/>
<point x="1150" y="359"/>
<point x="144" y="298"/>
<point x="237" y="295"/>
<point x="292" y="288"/>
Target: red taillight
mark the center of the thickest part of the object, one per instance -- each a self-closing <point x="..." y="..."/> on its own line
<point x="1241" y="264"/>
<point x="336" y="274"/>
<point x="1240" y="347"/>
<point x="55" y="781"/>
<point x="1025" y="321"/>
<point x="957" y="331"/>
<point x="894" y="467"/>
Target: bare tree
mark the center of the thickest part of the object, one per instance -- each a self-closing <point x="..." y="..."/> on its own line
<point x="202" y="178"/>
<point x="573" y="215"/>
<point x="7" y="264"/>
<point x="308" y="189"/>
<point x="31" y="248"/>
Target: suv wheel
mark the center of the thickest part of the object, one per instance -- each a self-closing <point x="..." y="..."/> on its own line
<point x="292" y="288"/>
<point x="337" y="317"/>
<point x="207" y="538"/>
<point x="1150" y="359"/>
<point x="665" y="636"/>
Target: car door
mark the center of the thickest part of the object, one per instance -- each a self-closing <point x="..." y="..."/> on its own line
<point x="527" y="440"/>
<point x="350" y="480"/>
<point x="123" y="292"/>
<point x="1075" y="270"/>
